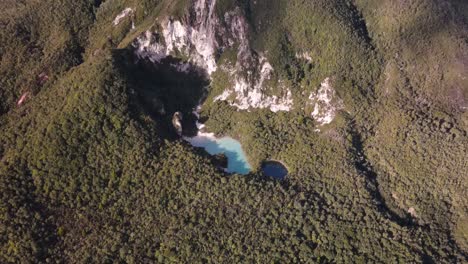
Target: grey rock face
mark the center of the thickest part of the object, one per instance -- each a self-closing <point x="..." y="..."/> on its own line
<point x="177" y="122"/>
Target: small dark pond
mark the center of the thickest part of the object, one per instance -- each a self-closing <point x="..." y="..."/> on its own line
<point x="274" y="169"/>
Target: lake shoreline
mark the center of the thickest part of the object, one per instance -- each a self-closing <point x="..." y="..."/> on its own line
<point x="230" y="147"/>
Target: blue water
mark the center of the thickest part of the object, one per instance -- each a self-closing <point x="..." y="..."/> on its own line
<point x="237" y="160"/>
<point x="274" y="169"/>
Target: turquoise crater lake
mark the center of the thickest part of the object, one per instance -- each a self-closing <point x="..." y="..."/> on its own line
<point x="237" y="160"/>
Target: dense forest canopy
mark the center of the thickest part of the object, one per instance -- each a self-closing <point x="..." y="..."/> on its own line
<point x="365" y="102"/>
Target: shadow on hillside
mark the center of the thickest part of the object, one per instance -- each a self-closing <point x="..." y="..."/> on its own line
<point x="364" y="167"/>
<point x="158" y="90"/>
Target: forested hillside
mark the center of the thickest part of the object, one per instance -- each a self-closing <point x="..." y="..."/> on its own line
<point x="365" y="102"/>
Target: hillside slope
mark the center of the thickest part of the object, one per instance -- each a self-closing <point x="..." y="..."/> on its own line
<point x="365" y="102"/>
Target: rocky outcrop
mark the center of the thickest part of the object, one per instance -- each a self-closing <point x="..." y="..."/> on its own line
<point x="326" y="103"/>
<point x="202" y="35"/>
<point x="22" y="99"/>
<point x="126" y="12"/>
<point x="200" y="38"/>
<point x="248" y="91"/>
<point x="194" y="38"/>
<point x="177" y="122"/>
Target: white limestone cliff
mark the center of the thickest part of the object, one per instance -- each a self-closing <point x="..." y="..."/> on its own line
<point x="326" y="103"/>
<point x="201" y="39"/>
<point x="126" y="12"/>
<point x="196" y="40"/>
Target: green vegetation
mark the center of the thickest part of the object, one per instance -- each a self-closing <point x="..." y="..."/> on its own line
<point x="92" y="171"/>
<point x="39" y="37"/>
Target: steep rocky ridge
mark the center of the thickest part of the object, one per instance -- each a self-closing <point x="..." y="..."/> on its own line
<point x="201" y="37"/>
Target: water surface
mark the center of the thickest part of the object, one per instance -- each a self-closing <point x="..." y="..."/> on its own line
<point x="237" y="160"/>
<point x="274" y="169"/>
